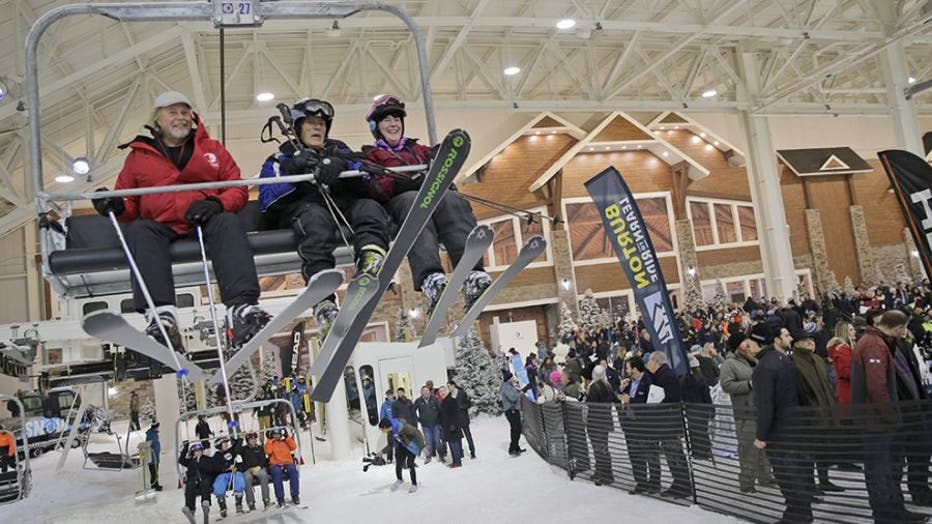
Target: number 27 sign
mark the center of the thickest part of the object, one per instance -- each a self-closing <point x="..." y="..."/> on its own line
<point x="236" y="13"/>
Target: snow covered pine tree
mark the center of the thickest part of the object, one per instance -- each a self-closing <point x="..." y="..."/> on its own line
<point x="404" y="327"/>
<point x="591" y="316"/>
<point x="568" y="326"/>
<point x="147" y="412"/>
<point x="478" y="375"/>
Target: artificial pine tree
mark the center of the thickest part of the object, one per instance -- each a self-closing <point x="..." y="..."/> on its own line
<point x="568" y="326"/>
<point x="900" y="275"/>
<point x="694" y="299"/>
<point x="269" y="370"/>
<point x="849" y="286"/>
<point x="877" y="278"/>
<point x="720" y="300"/>
<point x="147" y="412"/>
<point x="478" y="374"/>
<point x="187" y="401"/>
<point x="242" y="382"/>
<point x="404" y="328"/>
<point x="831" y="282"/>
<point x="590" y="314"/>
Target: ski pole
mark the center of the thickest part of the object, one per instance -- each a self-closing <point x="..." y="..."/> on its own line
<point x="182" y="372"/>
<point x="213" y="317"/>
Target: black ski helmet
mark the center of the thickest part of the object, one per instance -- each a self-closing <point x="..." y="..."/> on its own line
<point x="311" y="107"/>
<point x="383" y="106"/>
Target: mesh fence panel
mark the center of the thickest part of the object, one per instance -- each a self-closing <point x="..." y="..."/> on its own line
<point x="703" y="454"/>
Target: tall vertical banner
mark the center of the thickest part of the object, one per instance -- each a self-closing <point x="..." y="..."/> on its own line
<point x="627" y="233"/>
<point x="911" y="179"/>
<point x="291" y="351"/>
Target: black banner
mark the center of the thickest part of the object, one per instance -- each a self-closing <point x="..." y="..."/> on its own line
<point x="911" y="178"/>
<point x="291" y="351"/>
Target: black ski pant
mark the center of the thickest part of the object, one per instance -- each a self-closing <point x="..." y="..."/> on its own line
<point x="317" y="231"/>
<point x="793" y="472"/>
<point x="226" y="245"/>
<point x="883" y="471"/>
<point x="514" y="423"/>
<point x="450" y="224"/>
<point x="405" y="459"/>
<point x="134" y="421"/>
<point x="6" y="460"/>
<point x="468" y="435"/>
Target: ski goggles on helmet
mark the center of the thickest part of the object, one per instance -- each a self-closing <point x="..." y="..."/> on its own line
<point x="384" y="105"/>
<point x="197" y="446"/>
<point x="312" y="107"/>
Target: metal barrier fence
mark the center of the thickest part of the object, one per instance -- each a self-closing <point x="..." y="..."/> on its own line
<point x="703" y="454"/>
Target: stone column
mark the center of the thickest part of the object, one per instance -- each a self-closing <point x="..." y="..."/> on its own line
<point x="687" y="245"/>
<point x="817" y="248"/>
<point x="862" y="243"/>
<point x="563" y="267"/>
<point x="915" y="264"/>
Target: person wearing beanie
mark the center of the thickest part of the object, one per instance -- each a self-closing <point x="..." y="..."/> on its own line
<point x="735" y="379"/>
<point x="451" y="222"/>
<point x="181" y="152"/>
<point x="511" y="405"/>
<point x="308" y="207"/>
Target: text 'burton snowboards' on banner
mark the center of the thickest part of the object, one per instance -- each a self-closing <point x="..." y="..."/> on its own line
<point x="627" y="233"/>
<point x="911" y="178"/>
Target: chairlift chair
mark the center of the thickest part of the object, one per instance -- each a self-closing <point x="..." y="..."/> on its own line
<point x="16" y="484"/>
<point x="107" y="460"/>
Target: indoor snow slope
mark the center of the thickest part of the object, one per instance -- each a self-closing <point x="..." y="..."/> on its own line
<point x="490" y="489"/>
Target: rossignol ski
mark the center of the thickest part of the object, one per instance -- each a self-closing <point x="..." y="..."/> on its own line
<point x="447" y="161"/>
<point x="531" y="250"/>
<point x="112" y="327"/>
<point x="479" y="239"/>
<point x="321" y="285"/>
<point x="360" y="291"/>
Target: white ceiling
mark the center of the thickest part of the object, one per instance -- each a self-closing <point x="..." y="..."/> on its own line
<point x="98" y="76"/>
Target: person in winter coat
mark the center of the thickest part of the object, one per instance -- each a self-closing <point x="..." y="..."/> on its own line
<point x="152" y="437"/>
<point x="253" y="465"/>
<point x="181" y="152"/>
<point x="671" y="431"/>
<point x="511" y="405"/>
<point x="816" y="393"/>
<point x="599" y="422"/>
<point x="916" y="419"/>
<point x="280" y="449"/>
<point x="428" y="414"/>
<point x="408" y="443"/>
<point x="464" y="403"/>
<point x="403" y="408"/>
<point x="573" y="367"/>
<point x="736" y="381"/>
<point x="224" y="464"/>
<point x="312" y="209"/>
<point x="203" y="431"/>
<point x="839" y="351"/>
<point x="451" y="428"/>
<point x="776" y="397"/>
<point x="7" y="450"/>
<point x="134" y="411"/>
<point x="450" y="224"/>
<point x="700" y="410"/>
<point x="386" y="412"/>
<point x="642" y="451"/>
<point x="198" y="479"/>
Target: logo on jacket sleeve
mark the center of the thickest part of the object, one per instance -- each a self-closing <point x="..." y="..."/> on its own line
<point x="212" y="160"/>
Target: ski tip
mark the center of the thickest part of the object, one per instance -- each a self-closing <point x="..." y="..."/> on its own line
<point x="183" y="372"/>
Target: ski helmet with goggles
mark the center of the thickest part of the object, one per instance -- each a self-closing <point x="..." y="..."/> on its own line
<point x="311" y="107"/>
<point x="383" y="106"/>
<point x="251" y="435"/>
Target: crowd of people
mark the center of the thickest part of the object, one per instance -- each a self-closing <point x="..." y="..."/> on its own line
<point x="799" y="377"/>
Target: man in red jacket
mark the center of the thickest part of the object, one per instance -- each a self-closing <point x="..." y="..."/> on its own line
<point x="180" y="152"/>
<point x="450" y="224"/>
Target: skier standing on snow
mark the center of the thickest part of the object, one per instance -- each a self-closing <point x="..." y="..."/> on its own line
<point x="198" y="479"/>
<point x="304" y="205"/>
<point x="407" y="442"/>
<point x="181" y="152"/>
<point x="450" y="224"/>
<point x="152" y="437"/>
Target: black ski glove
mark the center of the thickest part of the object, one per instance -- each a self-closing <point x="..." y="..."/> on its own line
<point x="200" y="211"/>
<point x="330" y="169"/>
<point x="107" y="204"/>
<point x="408" y="184"/>
<point x="299" y="164"/>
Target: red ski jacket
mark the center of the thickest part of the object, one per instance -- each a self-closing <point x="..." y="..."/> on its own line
<point x="146" y="166"/>
<point x="382" y="188"/>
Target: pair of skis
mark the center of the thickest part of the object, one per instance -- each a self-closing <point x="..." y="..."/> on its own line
<point x="478" y="241"/>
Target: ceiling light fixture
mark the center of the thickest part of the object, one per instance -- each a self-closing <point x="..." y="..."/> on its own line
<point x="64" y="178"/>
<point x="709" y="93"/>
<point x="702" y="134"/>
<point x="81" y="166"/>
<point x="566" y="23"/>
<point x="512" y="70"/>
<point x="911" y="80"/>
<point x="334" y="30"/>
<point x="716" y="142"/>
<point x="265" y="96"/>
<point x="666" y="154"/>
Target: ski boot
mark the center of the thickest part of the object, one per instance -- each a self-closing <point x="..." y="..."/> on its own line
<point x="413" y="489"/>
<point x="188" y="514"/>
<point x="296" y="501"/>
<point x="325" y="312"/>
<point x="170" y="323"/>
<point x="370" y="260"/>
<point x="252" y="506"/>
<point x="476" y="284"/>
<point x="239" y="504"/>
<point x="281" y="503"/>
<point x="245" y="320"/>
<point x="396" y="485"/>
<point x="432" y="287"/>
<point x="266" y="503"/>
<point x="222" y="504"/>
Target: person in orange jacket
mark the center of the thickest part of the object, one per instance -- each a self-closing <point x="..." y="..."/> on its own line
<point x="7" y="450"/>
<point x="279" y="448"/>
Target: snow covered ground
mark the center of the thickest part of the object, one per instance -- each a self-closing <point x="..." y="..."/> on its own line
<point x="490" y="489"/>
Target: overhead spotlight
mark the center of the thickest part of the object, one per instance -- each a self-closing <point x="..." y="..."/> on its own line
<point x="566" y="23"/>
<point x="512" y="70"/>
<point x="911" y="80"/>
<point x="914" y="253"/>
<point x="265" y="97"/>
<point x="716" y="142"/>
<point x="666" y="154"/>
<point x="111" y="391"/>
<point x="624" y="147"/>
<point x="64" y="178"/>
<point x="608" y="147"/>
<point x="702" y="134"/>
<point x="334" y="30"/>
<point x="414" y="312"/>
<point x="81" y="166"/>
<point x="565" y="283"/>
<point x="691" y="271"/>
<point x="708" y="147"/>
<point x="640" y="146"/>
<point x="591" y="149"/>
<point x="709" y="93"/>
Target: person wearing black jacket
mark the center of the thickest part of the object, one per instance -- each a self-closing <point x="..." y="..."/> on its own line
<point x="253" y="466"/>
<point x="599" y="423"/>
<point x="203" y="432"/>
<point x="224" y="464"/>
<point x="403" y="408"/>
<point x="776" y="397"/>
<point x="671" y="430"/>
<point x="450" y="422"/>
<point x="643" y="453"/>
<point x="427" y="408"/>
<point x="198" y="478"/>
<point x="916" y="419"/>
<point x="462" y="398"/>
<point x="696" y="393"/>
